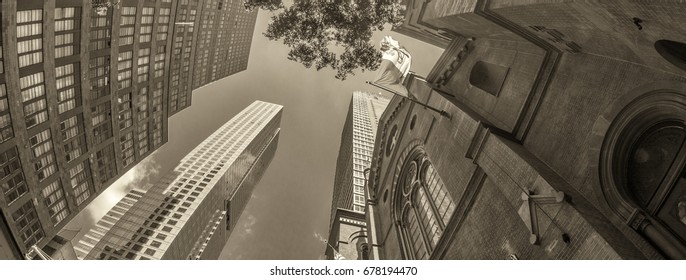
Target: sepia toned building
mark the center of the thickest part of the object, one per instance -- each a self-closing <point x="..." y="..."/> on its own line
<point x="190" y="212"/>
<point x="565" y="141"/>
<point x="83" y="98"/>
<point x="347" y="232"/>
<point x="414" y="26"/>
<point x="212" y="41"/>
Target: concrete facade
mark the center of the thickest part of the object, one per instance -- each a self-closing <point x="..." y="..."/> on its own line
<point x="555" y="106"/>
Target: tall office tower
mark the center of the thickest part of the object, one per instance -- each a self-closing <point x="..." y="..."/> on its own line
<point x="354" y="156"/>
<point x="183" y="54"/>
<point x="84" y="96"/>
<point x="211" y="41"/>
<point x="190" y="213"/>
<point x="226" y="31"/>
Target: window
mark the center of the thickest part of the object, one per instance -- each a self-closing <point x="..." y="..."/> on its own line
<point x="101" y="121"/>
<point x="66" y="31"/>
<point x="126" y="29"/>
<point x="100" y="32"/>
<point x="106" y="163"/>
<point x="143" y="64"/>
<point x="54" y="198"/>
<point x="28" y="225"/>
<point x="157" y="130"/>
<point x="643" y="166"/>
<point x="142" y="139"/>
<point x="163" y="26"/>
<point x="159" y="61"/>
<point x="31" y="86"/>
<point x="146" y="24"/>
<point x="73" y="137"/>
<point x="68" y="93"/>
<point x="425" y="207"/>
<point x="124" y="65"/>
<point x="41" y="145"/>
<point x="79" y="178"/>
<point x="125" y="112"/>
<point x="11" y="175"/>
<point x="126" y="142"/>
<point x="142" y="105"/>
<point x="29" y="40"/>
<point x="2" y="63"/>
<point x="99" y="71"/>
<point x="6" y="131"/>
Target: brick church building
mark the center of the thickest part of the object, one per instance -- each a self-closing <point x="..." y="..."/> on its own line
<point x="566" y="137"/>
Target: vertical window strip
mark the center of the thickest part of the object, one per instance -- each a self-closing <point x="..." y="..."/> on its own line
<point x="127" y="22"/>
<point x="68" y="94"/>
<point x="28" y="224"/>
<point x="80" y="182"/>
<point x="106" y="163"/>
<point x="12" y="175"/>
<point x="100" y="33"/>
<point x="29" y="26"/>
<point x="99" y="71"/>
<point x="6" y="131"/>
<point x="66" y="30"/>
<point x="73" y="137"/>
<point x="41" y="144"/>
<point x="54" y="199"/>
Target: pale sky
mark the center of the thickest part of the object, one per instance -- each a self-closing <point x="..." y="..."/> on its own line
<point x="290" y="206"/>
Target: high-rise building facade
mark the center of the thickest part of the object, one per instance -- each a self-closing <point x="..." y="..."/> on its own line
<point x="84" y="96"/>
<point x="190" y="213"/>
<point x="211" y="41"/>
<point x="354" y="156"/>
<point x="223" y="47"/>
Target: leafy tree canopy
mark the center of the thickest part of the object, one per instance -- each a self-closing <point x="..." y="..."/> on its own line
<point x="331" y="33"/>
<point x="270" y="5"/>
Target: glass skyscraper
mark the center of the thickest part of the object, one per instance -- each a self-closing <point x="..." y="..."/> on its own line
<point x="354" y="156"/>
<point x="190" y="212"/>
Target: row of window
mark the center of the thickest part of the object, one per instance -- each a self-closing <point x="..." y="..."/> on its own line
<point x="6" y="131"/>
<point x="12" y="176"/>
<point x="68" y="95"/>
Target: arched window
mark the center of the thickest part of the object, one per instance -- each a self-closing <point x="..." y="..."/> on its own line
<point x="655" y="174"/>
<point x="643" y="169"/>
<point x="426" y="206"/>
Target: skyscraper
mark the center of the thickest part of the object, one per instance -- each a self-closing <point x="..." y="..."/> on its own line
<point x="211" y="41"/>
<point x="84" y="96"/>
<point x="354" y="156"/>
<point x="190" y="212"/>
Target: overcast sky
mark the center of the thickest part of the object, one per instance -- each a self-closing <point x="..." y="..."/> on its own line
<point x="290" y="206"/>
